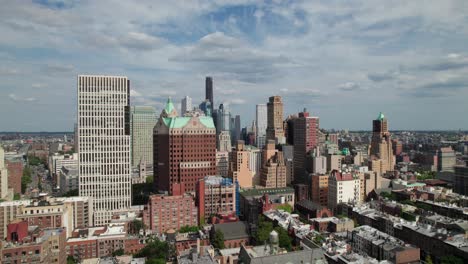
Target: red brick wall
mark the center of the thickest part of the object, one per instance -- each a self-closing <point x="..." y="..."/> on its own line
<point x="233" y="243"/>
<point x="15" y="172"/>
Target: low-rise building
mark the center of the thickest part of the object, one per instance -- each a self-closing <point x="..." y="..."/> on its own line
<point x="235" y="233"/>
<point x="372" y="242"/>
<point x="215" y="195"/>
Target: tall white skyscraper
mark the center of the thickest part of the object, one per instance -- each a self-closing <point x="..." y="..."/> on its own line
<point x="3" y="175"/>
<point x="104" y="143"/>
<point x="143" y="119"/>
<point x="186" y="105"/>
<point x="261" y="117"/>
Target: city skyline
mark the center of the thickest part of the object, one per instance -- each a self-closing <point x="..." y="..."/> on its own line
<point x="343" y="62"/>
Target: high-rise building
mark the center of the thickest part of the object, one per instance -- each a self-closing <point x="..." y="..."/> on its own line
<point x="261" y="121"/>
<point x="224" y="141"/>
<point x="206" y="107"/>
<point x="275" y="120"/>
<point x="143" y="119"/>
<point x="446" y="159"/>
<point x="209" y="89"/>
<point x="319" y="189"/>
<point x="15" y="172"/>
<point x="239" y="169"/>
<point x="237" y="128"/>
<point x="186" y="105"/>
<point x="104" y="143"/>
<point x="381" y="145"/>
<point x="460" y="183"/>
<point x="222" y="163"/>
<point x="3" y="175"/>
<point x="274" y="169"/>
<point x="305" y="139"/>
<point x="224" y="119"/>
<point x="184" y="149"/>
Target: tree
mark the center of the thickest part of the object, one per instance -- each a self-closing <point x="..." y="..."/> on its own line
<point x="188" y="229"/>
<point x="71" y="260"/>
<point x="155" y="252"/>
<point x="451" y="260"/>
<point x="16" y="196"/>
<point x="285" y="240"/>
<point x="118" y="252"/>
<point x="26" y="178"/>
<point x="135" y="226"/>
<point x="218" y="240"/>
<point x="71" y="193"/>
<point x="263" y="232"/>
<point x="428" y="259"/>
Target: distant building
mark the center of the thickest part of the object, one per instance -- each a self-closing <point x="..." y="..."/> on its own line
<point x="3" y="175"/>
<point x="319" y="189"/>
<point x="224" y="141"/>
<point x="186" y="105"/>
<point x="261" y="122"/>
<point x="184" y="149"/>
<point x="142" y="121"/>
<point x="310" y="209"/>
<point x="209" y="90"/>
<point x="460" y="184"/>
<point x="163" y="213"/>
<point x="68" y="178"/>
<point x="273" y="169"/>
<point x="222" y="163"/>
<point x="15" y="172"/>
<point x="305" y="139"/>
<point x="381" y="149"/>
<point x="215" y="195"/>
<point x="446" y="159"/>
<point x="275" y="129"/>
<point x="334" y="162"/>
<point x="239" y="169"/>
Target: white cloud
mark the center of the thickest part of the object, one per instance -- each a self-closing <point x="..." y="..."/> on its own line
<point x="15" y="98"/>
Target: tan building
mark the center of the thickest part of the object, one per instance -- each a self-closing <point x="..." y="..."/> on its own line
<point x="215" y="195"/>
<point x="3" y="175"/>
<point x="239" y="168"/>
<point x="369" y="181"/>
<point x="68" y="212"/>
<point x="319" y="189"/>
<point x="274" y="169"/>
<point x="275" y="129"/>
<point x="381" y="147"/>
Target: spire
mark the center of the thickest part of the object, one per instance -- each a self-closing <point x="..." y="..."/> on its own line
<point x="381" y="116"/>
<point x="169" y="109"/>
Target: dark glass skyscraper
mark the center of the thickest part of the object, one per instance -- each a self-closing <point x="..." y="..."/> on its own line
<point x="209" y="89"/>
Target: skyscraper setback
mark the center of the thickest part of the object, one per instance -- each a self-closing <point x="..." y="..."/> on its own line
<point x="381" y="151"/>
<point x="104" y="143"/>
<point x="275" y="129"/>
<point x="209" y="90"/>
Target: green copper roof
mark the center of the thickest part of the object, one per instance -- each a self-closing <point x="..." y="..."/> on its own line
<point x="169" y="106"/>
<point x="381" y="116"/>
<point x="180" y="122"/>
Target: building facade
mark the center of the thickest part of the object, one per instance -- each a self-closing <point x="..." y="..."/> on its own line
<point x="239" y="168"/>
<point x="305" y="139"/>
<point x="209" y="90"/>
<point x="3" y="175"/>
<point x="142" y="121"/>
<point x="186" y="105"/>
<point x="184" y="149"/>
<point x="215" y="195"/>
<point x="343" y="187"/>
<point x="261" y="118"/>
<point x="275" y="129"/>
<point x="381" y="145"/>
<point x="274" y="169"/>
<point x="163" y="213"/>
<point x="104" y="143"/>
<point x="319" y="189"/>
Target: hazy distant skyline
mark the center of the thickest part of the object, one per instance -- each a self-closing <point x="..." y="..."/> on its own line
<point x="345" y="61"/>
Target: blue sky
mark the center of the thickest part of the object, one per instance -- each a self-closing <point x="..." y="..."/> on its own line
<point x="344" y="61"/>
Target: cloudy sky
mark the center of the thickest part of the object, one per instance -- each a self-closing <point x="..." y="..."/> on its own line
<point x="343" y="60"/>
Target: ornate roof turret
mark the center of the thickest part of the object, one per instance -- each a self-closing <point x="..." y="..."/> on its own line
<point x="169" y="110"/>
<point x="381" y="116"/>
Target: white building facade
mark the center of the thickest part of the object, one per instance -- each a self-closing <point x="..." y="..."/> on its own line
<point x="104" y="143"/>
<point x="343" y="187"/>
